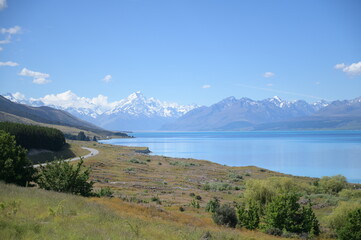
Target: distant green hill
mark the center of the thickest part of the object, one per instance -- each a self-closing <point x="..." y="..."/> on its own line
<point x="47" y="116"/>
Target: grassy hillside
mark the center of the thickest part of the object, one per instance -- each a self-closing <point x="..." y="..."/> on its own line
<point x="100" y="134"/>
<point x="152" y="200"/>
<point x="20" y="113"/>
<point x="30" y="213"/>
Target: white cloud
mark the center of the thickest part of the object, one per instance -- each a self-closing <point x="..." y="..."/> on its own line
<point x="40" y="81"/>
<point x="107" y="78"/>
<point x="19" y="96"/>
<point x="9" y="64"/>
<point x="5" y="41"/>
<point x="1" y="49"/>
<point x="268" y="74"/>
<point x="3" y="4"/>
<point x="69" y="99"/>
<point x="353" y="69"/>
<point x="39" y="78"/>
<point x="206" y="86"/>
<point x="270" y="85"/>
<point x="11" y="31"/>
<point x="340" y="66"/>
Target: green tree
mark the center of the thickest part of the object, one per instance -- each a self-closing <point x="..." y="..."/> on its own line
<point x="31" y="136"/>
<point x="332" y="185"/>
<point x="351" y="230"/>
<point x="212" y="205"/>
<point x="81" y="136"/>
<point x="339" y="215"/>
<point x="248" y="217"/>
<point x="285" y="213"/>
<point x="14" y="166"/>
<point x="225" y="215"/>
<point x="61" y="176"/>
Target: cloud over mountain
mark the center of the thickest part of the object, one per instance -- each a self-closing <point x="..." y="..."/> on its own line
<point x="131" y="113"/>
<point x="38" y="77"/>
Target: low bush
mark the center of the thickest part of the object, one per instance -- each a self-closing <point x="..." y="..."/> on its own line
<point x="284" y="212"/>
<point x="351" y="229"/>
<point x="332" y="185"/>
<point x="217" y="186"/>
<point x="248" y="217"/>
<point x="195" y="203"/>
<point x="105" y="192"/>
<point x="183" y="164"/>
<point x="136" y="161"/>
<point x="225" y="215"/>
<point x="350" y="193"/>
<point x="61" y="176"/>
<point x="338" y="217"/>
<point x="212" y="205"/>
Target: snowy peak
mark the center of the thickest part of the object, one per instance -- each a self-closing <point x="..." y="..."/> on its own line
<point x="136" y="104"/>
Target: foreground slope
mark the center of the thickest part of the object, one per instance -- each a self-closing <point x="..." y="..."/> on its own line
<point x="31" y="213"/>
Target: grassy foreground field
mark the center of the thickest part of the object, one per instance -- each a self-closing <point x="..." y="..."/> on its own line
<point x="31" y="213"/>
<point x="154" y="198"/>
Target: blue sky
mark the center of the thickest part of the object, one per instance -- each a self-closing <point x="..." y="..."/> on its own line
<point x="197" y="51"/>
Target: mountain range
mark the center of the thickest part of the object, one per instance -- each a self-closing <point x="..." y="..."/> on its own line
<point x="271" y="114"/>
<point x="136" y="112"/>
<point x="47" y="116"/>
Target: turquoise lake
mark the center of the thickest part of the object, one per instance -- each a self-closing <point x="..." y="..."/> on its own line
<point x="302" y="153"/>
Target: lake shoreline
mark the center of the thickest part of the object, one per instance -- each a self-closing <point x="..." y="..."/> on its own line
<point x="286" y="152"/>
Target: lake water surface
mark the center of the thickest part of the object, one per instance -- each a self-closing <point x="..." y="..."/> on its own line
<point x="303" y="153"/>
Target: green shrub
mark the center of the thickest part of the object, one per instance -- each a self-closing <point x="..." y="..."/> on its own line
<point x="14" y="166"/>
<point x="212" y="205"/>
<point x="350" y="193"/>
<point x="136" y="161"/>
<point x="263" y="191"/>
<point x="183" y="164"/>
<point x="259" y="191"/>
<point x="61" y="176"/>
<point x="195" y="203"/>
<point x="332" y="185"/>
<point x="338" y="217"/>
<point x="217" y="186"/>
<point x="249" y="217"/>
<point x="351" y="229"/>
<point x="225" y="215"/>
<point x="105" y="192"/>
<point x="284" y="212"/>
<point x="234" y="177"/>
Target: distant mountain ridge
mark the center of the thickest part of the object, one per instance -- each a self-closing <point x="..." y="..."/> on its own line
<point x="270" y="114"/>
<point x="15" y="112"/>
<point x="136" y="112"/>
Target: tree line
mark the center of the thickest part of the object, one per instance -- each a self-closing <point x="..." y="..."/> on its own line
<point x="31" y="136"/>
<point x="80" y="137"/>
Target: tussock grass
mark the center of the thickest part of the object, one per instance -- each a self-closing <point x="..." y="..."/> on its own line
<point x="44" y="214"/>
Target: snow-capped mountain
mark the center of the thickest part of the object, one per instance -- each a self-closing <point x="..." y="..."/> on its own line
<point x="135" y="112"/>
<point x="232" y="113"/>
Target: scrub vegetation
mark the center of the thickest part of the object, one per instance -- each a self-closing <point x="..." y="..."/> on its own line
<point x="156" y="197"/>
